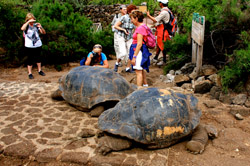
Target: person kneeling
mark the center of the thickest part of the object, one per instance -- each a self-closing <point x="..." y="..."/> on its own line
<point x="97" y="58"/>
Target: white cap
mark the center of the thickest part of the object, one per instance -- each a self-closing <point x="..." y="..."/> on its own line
<point x="163" y="1"/>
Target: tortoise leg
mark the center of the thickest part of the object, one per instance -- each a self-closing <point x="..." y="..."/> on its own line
<point x="198" y="141"/>
<point x="107" y="144"/>
<point x="57" y="95"/>
<point x="97" y="111"/>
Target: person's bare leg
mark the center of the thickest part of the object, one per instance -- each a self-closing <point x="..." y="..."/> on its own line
<point x="39" y="66"/>
<point x="29" y="69"/>
<point x="139" y="77"/>
<point x="144" y="78"/>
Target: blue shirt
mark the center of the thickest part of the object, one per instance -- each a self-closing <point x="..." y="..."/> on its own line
<point x="103" y="57"/>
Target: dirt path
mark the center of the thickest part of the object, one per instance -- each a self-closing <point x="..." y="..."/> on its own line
<point x="36" y="130"/>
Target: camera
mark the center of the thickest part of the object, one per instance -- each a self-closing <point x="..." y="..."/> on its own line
<point x="35" y="25"/>
<point x="95" y="54"/>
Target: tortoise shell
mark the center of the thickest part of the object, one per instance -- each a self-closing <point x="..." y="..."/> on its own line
<point x="87" y="86"/>
<point x="153" y="116"/>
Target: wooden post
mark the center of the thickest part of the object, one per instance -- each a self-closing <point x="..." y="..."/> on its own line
<point x="198" y="30"/>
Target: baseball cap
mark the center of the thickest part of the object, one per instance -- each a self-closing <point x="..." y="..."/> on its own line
<point x="163" y="1"/>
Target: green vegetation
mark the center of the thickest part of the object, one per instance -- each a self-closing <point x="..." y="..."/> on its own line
<point x="226" y="37"/>
<point x="70" y="36"/>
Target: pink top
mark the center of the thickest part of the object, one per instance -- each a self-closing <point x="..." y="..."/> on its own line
<point x="141" y="30"/>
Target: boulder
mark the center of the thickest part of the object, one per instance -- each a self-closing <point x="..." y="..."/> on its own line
<point x="203" y="86"/>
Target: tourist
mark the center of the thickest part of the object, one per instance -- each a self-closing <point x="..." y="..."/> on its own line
<point x="139" y="53"/>
<point x="163" y="17"/>
<point x="124" y="32"/>
<point x="97" y="58"/>
<point x="123" y="11"/>
<point x="33" y="43"/>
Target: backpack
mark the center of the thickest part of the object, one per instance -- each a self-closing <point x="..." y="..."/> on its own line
<point x="171" y="26"/>
<point x="151" y="40"/>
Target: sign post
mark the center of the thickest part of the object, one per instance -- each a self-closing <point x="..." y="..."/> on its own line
<point x="198" y="30"/>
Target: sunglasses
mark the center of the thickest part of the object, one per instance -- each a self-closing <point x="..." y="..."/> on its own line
<point x="98" y="47"/>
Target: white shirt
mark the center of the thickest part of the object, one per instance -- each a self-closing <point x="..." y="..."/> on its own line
<point x="32" y="39"/>
<point x="163" y="17"/>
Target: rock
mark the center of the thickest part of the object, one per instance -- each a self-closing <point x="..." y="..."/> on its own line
<point x="238" y="116"/>
<point x="76" y="157"/>
<point x="215" y="80"/>
<point x="194" y="74"/>
<point x="23" y="149"/>
<point x="247" y="103"/>
<point x="203" y="87"/>
<point x="215" y="92"/>
<point x="170" y="78"/>
<point x="212" y="103"/>
<point x="187" y="86"/>
<point x="207" y="70"/>
<point x="240" y="110"/>
<point x="225" y="98"/>
<point x="178" y="72"/>
<point x="48" y="155"/>
<point x="180" y="79"/>
<point x="187" y="68"/>
<point x="240" y="99"/>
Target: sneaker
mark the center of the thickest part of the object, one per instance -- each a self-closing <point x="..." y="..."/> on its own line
<point x="161" y="63"/>
<point x="154" y="60"/>
<point x="31" y="76"/>
<point x="41" y="73"/>
<point x="130" y="71"/>
<point x="116" y="68"/>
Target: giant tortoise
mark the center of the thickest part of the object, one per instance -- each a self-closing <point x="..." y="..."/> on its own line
<point x="154" y="118"/>
<point x="88" y="87"/>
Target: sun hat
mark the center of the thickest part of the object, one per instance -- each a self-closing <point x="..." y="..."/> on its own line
<point x="163" y="1"/>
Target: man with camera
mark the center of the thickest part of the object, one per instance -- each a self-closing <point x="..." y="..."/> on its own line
<point x="97" y="57"/>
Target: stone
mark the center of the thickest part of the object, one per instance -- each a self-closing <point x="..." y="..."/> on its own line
<point x="110" y="159"/>
<point x="225" y="98"/>
<point x="76" y="157"/>
<point x="9" y="130"/>
<point x="85" y="133"/>
<point x="180" y="79"/>
<point x="208" y="70"/>
<point x="212" y="103"/>
<point x="76" y="144"/>
<point x="51" y="135"/>
<point x="214" y="78"/>
<point x="240" y="110"/>
<point x="247" y="103"/>
<point x="187" y="86"/>
<point x="215" y="92"/>
<point x="15" y="117"/>
<point x="10" y="139"/>
<point x="203" y="86"/>
<point x="22" y="150"/>
<point x="240" y="99"/>
<point x="238" y="116"/>
<point x="187" y="68"/>
<point x="48" y="155"/>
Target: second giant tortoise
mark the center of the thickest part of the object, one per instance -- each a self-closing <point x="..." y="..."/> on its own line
<point x="155" y="118"/>
<point x="87" y="87"/>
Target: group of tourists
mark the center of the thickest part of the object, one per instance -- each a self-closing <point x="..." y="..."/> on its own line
<point x="130" y="37"/>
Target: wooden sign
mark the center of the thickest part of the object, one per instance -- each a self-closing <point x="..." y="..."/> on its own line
<point x="143" y="9"/>
<point x="198" y="30"/>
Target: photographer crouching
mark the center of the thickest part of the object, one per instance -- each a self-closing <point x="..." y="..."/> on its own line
<point x="97" y="58"/>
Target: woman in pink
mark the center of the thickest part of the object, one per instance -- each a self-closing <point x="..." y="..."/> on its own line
<point x="139" y="54"/>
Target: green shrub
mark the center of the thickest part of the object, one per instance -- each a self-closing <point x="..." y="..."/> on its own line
<point x="179" y="50"/>
<point x="236" y="72"/>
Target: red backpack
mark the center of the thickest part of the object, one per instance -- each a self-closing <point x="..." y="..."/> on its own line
<point x="151" y="41"/>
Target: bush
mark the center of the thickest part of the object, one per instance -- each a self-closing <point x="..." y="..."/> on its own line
<point x="11" y="39"/>
<point x="179" y="51"/>
<point x="236" y="72"/>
